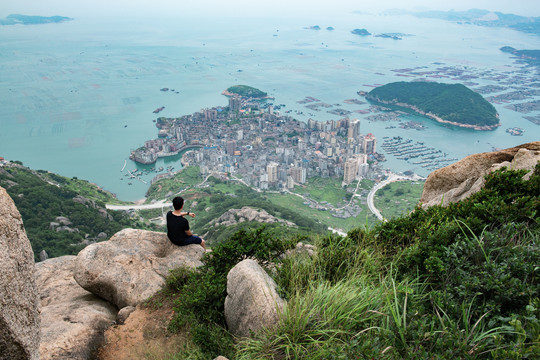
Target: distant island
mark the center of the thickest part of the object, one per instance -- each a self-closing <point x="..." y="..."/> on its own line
<point x="480" y="17"/>
<point x="395" y="36"/>
<point x="317" y="27"/>
<point x="245" y="91"/>
<point x="361" y="32"/>
<point x="453" y="104"/>
<point x="15" y="19"/>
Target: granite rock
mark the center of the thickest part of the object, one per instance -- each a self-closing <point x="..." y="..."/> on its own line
<point x="132" y="265"/>
<point x="19" y="305"/>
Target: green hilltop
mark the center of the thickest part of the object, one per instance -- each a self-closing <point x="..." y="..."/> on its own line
<point x="246" y="91"/>
<point x="447" y="103"/>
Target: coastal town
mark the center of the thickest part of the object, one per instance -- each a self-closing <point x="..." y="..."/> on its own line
<point x="248" y="139"/>
<point x="267" y="148"/>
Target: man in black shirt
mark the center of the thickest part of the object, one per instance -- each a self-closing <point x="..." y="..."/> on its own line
<point x="178" y="228"/>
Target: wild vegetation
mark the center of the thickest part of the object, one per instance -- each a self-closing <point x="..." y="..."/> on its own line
<point x="450" y="102"/>
<point x="41" y="197"/>
<point x="446" y="282"/>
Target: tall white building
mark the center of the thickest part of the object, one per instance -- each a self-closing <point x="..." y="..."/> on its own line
<point x="350" y="169"/>
<point x="235" y="104"/>
<point x="299" y="175"/>
<point x="354" y="130"/>
<point x="271" y="170"/>
<point x="370" y="144"/>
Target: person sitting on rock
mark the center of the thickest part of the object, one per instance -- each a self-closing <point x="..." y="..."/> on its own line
<point x="178" y="227"/>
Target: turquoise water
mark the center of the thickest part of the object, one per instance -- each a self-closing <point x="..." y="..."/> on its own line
<point x="76" y="97"/>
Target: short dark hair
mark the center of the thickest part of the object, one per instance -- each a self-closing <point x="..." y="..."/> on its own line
<point x="178" y="202"/>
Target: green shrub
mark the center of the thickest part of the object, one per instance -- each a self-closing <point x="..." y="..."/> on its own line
<point x="199" y="294"/>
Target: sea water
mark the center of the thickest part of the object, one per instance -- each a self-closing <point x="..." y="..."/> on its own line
<point x="77" y="97"/>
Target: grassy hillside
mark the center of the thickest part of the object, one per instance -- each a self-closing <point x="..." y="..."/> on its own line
<point x="398" y="198"/>
<point x="217" y="196"/>
<point x="312" y="203"/>
<point x="41" y="197"/>
<point x="461" y="282"/>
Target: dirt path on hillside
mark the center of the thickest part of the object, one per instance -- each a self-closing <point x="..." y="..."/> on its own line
<point x="144" y="335"/>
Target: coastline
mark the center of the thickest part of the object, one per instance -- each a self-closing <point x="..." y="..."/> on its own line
<point x="439" y="119"/>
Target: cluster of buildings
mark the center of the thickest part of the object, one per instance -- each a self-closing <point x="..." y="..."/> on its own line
<point x="264" y="148"/>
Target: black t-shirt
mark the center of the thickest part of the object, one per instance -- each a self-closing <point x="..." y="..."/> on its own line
<point x="176" y="228"/>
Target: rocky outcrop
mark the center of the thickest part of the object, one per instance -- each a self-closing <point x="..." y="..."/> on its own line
<point x="132" y="265"/>
<point x="73" y="320"/>
<point x="19" y="316"/>
<point x="252" y="301"/>
<point x="460" y="180"/>
<point x="43" y="255"/>
<point x="235" y="216"/>
<point x="123" y="314"/>
<point x="91" y="203"/>
<point x="300" y="248"/>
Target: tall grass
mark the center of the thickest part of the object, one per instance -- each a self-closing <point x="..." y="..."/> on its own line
<point x="320" y="321"/>
<point x="347" y="302"/>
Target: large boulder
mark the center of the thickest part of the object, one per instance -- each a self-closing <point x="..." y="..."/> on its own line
<point x="73" y="320"/>
<point x="252" y="301"/>
<point x="132" y="265"/>
<point x="19" y="314"/>
<point x="460" y="180"/>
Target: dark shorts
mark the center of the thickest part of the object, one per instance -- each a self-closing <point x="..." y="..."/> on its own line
<point x="188" y="241"/>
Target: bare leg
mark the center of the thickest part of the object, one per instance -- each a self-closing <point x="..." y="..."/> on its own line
<point x="203" y="244"/>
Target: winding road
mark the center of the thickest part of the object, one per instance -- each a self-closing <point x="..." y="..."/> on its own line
<point x="157" y="205"/>
<point x="391" y="178"/>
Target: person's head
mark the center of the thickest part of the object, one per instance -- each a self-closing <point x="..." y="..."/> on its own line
<point x="178" y="202"/>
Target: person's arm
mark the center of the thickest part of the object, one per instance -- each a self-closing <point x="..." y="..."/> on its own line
<point x="187" y="213"/>
<point x="189" y="233"/>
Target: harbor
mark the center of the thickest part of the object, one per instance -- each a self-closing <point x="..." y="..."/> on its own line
<point x="416" y="153"/>
<point x="142" y="172"/>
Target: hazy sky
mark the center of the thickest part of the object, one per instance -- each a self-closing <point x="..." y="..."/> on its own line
<point x="285" y="8"/>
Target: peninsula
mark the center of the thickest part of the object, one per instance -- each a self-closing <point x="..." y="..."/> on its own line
<point x="453" y="104"/>
<point x="531" y="57"/>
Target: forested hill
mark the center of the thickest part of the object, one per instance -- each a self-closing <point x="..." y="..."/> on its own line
<point x="246" y="91"/>
<point x="60" y="215"/>
<point x="448" y="103"/>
